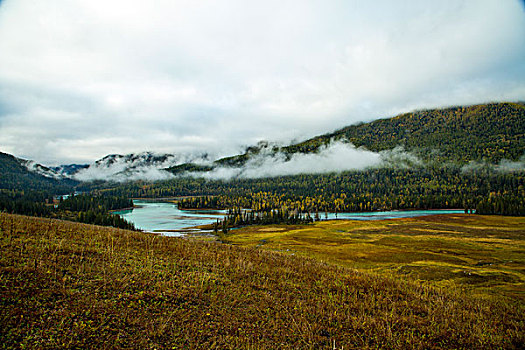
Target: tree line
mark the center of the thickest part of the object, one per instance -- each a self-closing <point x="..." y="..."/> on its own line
<point x="367" y="190"/>
<point x="237" y="217"/>
<point x="90" y="209"/>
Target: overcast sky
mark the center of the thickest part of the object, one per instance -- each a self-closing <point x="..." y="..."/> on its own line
<point x="80" y="79"/>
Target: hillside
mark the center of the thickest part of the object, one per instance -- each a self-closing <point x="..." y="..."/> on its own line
<point x="487" y="132"/>
<point x="68" y="285"/>
<point x="15" y="175"/>
<point x="458" y="135"/>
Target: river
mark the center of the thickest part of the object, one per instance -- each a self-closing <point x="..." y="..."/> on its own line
<point x="165" y="218"/>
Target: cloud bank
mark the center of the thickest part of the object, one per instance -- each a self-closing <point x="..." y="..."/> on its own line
<point x="142" y="166"/>
<point x="335" y="157"/>
<point x="80" y="79"/>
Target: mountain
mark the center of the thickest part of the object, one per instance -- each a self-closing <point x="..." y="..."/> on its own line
<point x="41" y="169"/>
<point x="482" y="133"/>
<point x="145" y="165"/>
<point x="68" y="170"/>
<point x="17" y="173"/>
<point x="21" y="174"/>
<point x="487" y="132"/>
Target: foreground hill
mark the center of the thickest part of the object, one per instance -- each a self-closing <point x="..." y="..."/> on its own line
<point x="68" y="285"/>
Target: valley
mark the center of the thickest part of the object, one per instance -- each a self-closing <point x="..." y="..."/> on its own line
<point x="332" y="175"/>
<point x="405" y="232"/>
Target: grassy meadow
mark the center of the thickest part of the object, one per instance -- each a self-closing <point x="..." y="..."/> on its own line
<point x="483" y="254"/>
<point x="71" y="285"/>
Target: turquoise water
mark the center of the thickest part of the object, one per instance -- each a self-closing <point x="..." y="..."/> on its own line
<point x="167" y="219"/>
<point x="394" y="214"/>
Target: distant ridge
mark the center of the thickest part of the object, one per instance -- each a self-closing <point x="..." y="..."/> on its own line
<point x="484" y="133"/>
<point x="133" y="166"/>
<point x="457" y="135"/>
<point x="21" y="174"/>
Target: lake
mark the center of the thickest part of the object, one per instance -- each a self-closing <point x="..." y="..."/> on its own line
<point x="165" y="218"/>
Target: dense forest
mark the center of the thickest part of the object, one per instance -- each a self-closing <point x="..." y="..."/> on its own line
<point x="238" y="217"/>
<point x="94" y="209"/>
<point x="86" y="208"/>
<point x="488" y="132"/>
<point x="369" y="190"/>
<point x="34" y="203"/>
<point x="84" y="202"/>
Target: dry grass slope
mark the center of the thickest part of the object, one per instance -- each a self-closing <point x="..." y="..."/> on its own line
<point x="69" y="285"/>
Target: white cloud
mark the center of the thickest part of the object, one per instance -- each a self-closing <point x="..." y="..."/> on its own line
<point x="335" y="157"/>
<point x="139" y="166"/>
<point x="83" y="78"/>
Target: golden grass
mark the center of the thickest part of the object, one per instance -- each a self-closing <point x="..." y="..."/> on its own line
<point x="485" y="254"/>
<point x="70" y="285"/>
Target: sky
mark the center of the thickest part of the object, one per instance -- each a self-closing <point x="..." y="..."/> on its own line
<point x="80" y="79"/>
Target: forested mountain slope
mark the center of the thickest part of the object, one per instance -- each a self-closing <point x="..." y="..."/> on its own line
<point x="458" y="135"/>
<point x="481" y="133"/>
<point x="487" y="132"/>
<point x="14" y="175"/>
